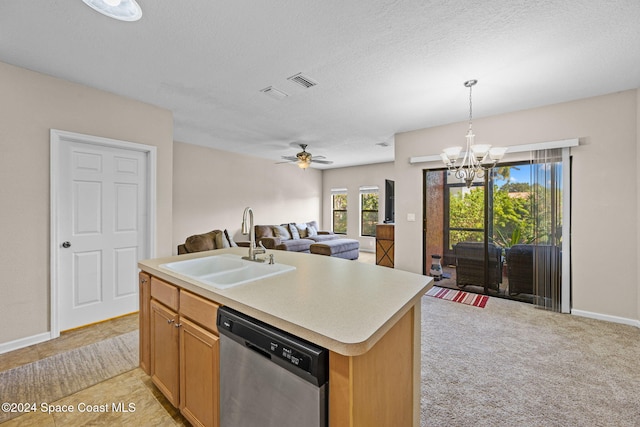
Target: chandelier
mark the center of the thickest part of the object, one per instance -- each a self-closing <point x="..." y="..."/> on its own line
<point x="477" y="158"/>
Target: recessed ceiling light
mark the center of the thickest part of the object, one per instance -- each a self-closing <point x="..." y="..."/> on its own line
<point x="123" y="10"/>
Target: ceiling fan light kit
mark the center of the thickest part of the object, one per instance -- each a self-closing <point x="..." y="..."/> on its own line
<point x="122" y="10"/>
<point x="304" y="159"/>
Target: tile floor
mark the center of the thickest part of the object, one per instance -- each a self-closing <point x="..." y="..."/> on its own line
<point x="133" y="387"/>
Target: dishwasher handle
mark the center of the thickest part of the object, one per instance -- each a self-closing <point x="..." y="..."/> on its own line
<point x="262" y="352"/>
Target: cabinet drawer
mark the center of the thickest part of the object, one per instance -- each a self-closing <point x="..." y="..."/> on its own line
<point x="199" y="310"/>
<point x="164" y="292"/>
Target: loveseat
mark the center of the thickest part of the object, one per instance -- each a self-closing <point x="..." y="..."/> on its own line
<point x="216" y="239"/>
<point x="297" y="237"/>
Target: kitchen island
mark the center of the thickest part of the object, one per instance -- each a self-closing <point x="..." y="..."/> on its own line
<point x="367" y="316"/>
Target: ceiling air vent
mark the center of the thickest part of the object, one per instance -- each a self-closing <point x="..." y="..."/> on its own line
<point x="302" y="80"/>
<point x="274" y="93"/>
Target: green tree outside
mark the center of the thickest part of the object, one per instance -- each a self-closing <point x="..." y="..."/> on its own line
<point x="369" y="211"/>
<point x="521" y="213"/>
<point x="340" y="213"/>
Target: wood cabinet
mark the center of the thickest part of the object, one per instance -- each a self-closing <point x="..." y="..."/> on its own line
<point x="385" y="245"/>
<point x="144" y="292"/>
<point x="184" y="351"/>
<point x="378" y="388"/>
<point x="199" y="349"/>
<point x="165" y="353"/>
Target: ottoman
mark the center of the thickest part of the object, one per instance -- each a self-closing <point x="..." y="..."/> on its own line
<point x="341" y="248"/>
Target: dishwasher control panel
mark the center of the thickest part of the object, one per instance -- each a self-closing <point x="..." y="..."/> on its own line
<point x="291" y="355"/>
<point x="301" y="357"/>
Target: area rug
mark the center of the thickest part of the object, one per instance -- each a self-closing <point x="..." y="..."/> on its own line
<point x="55" y="377"/>
<point x="458" y="296"/>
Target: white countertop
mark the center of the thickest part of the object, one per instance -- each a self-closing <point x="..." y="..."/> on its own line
<point x="342" y="305"/>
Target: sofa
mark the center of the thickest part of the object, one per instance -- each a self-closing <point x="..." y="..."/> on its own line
<point x="216" y="239"/>
<point x="296" y="237"/>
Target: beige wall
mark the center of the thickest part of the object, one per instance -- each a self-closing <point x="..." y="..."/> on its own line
<point x="211" y="188"/>
<point x="605" y="190"/>
<point x="352" y="178"/>
<point x="31" y="104"/>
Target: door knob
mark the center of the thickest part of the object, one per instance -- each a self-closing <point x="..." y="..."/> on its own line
<point x="66" y="245"/>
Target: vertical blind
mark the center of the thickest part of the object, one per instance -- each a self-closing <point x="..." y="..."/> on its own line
<point x="547" y="209"/>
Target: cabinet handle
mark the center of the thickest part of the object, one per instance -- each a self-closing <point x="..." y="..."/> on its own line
<point x="143" y="280"/>
<point x="170" y="321"/>
<point x="177" y="325"/>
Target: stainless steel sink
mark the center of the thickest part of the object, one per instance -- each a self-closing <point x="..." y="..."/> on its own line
<point x="226" y="270"/>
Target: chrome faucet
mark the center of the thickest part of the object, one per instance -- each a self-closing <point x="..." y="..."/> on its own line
<point x="248" y="228"/>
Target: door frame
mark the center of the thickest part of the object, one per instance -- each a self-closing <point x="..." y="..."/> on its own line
<point x="56" y="139"/>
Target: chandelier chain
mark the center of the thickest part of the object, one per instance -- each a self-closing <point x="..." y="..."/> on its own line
<point x="470" y="107"/>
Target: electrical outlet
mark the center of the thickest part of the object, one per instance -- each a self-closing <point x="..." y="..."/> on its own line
<point x="411" y="217"/>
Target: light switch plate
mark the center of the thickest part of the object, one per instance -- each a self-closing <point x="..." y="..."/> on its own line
<point x="411" y="217"/>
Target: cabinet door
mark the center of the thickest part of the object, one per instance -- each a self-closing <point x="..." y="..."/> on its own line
<point x="144" y="319"/>
<point x="199" y="374"/>
<point x="165" y="351"/>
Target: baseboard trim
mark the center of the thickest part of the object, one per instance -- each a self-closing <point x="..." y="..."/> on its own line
<point x="24" y="342"/>
<point x="607" y="317"/>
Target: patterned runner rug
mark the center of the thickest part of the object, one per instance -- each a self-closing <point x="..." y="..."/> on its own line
<point x="55" y="377"/>
<point x="458" y="296"/>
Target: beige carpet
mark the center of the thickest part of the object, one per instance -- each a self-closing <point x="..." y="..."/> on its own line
<point x="513" y="364"/>
<point x="52" y="378"/>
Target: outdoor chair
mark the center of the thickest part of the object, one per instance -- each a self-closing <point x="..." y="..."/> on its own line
<point x="520" y="261"/>
<point x="470" y="265"/>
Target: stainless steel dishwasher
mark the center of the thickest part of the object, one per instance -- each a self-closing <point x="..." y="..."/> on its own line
<point x="269" y="377"/>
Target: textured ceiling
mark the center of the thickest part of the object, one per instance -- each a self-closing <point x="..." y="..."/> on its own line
<point x="382" y="66"/>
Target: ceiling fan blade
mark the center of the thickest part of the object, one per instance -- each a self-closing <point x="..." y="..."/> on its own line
<point x="290" y="158"/>
<point x="324" y="162"/>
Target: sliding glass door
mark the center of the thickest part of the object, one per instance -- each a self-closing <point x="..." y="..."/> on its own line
<point x="503" y="234"/>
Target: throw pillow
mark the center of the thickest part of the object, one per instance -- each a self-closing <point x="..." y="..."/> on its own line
<point x="221" y="241"/>
<point x="232" y="243"/>
<point x="294" y="231"/>
<point x="312" y="231"/>
<point x="282" y="232"/>
<point x="302" y="230"/>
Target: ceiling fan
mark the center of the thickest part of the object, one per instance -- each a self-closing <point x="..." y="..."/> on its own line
<point x="304" y="158"/>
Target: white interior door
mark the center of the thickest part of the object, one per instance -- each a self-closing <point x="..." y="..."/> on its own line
<point x="102" y="230"/>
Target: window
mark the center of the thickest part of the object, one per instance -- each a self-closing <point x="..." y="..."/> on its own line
<point x="339" y="211"/>
<point x="368" y="211"/>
